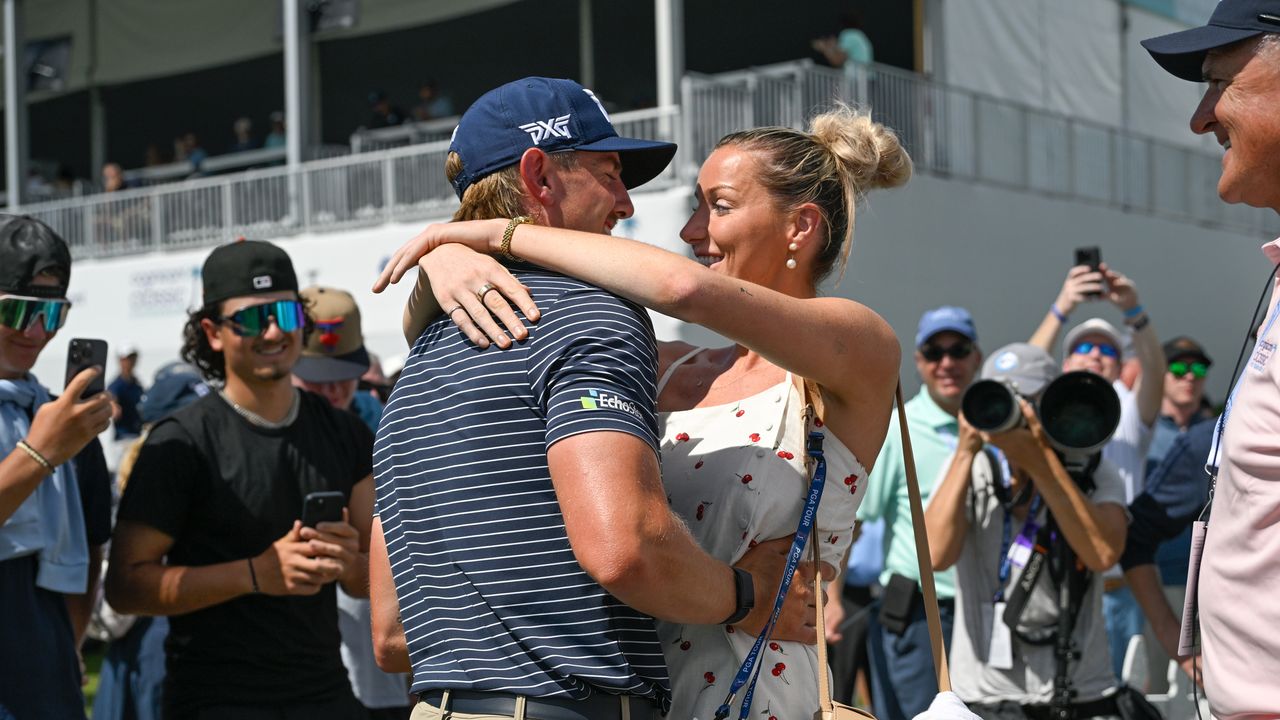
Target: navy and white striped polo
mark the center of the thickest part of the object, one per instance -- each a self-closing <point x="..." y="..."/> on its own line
<point x="491" y="596"/>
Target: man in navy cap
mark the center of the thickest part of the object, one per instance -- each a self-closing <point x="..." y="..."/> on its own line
<point x="1238" y="53"/>
<point x="947" y="359"/>
<point x="530" y="539"/>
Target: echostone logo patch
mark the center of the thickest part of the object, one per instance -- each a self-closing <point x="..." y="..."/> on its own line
<point x="600" y="400"/>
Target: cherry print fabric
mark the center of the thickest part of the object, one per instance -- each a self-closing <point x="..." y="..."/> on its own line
<point x="736" y="474"/>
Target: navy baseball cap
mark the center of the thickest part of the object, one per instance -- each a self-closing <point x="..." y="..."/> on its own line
<point x="946" y="318"/>
<point x="553" y="115"/>
<point x="1182" y="53"/>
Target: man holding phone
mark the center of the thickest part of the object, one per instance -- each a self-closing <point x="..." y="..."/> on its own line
<point x="54" y="514"/>
<point x="209" y="526"/>
<point x="1097" y="346"/>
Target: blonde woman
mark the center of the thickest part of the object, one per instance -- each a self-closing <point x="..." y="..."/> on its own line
<point x="775" y="215"/>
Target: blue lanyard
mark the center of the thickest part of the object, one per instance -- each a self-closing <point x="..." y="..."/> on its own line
<point x="750" y="670"/>
<point x="1006" y="562"/>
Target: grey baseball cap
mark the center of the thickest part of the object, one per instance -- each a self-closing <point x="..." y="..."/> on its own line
<point x="1026" y="367"/>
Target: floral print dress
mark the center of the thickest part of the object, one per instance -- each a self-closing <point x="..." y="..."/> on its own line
<point x="736" y="474"/>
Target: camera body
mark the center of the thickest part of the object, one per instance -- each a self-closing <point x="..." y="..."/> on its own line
<point x="1079" y="411"/>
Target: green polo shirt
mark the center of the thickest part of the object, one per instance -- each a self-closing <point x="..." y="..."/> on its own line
<point x="933" y="434"/>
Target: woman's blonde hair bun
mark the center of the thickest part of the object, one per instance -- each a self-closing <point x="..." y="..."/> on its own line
<point x="869" y="153"/>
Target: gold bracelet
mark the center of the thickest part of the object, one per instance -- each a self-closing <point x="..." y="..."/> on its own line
<point x="505" y="248"/>
<point x="35" y="455"/>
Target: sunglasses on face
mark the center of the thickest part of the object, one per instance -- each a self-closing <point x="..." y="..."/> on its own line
<point x="1180" y="369"/>
<point x="1085" y="348"/>
<point x="934" y="353"/>
<point x="255" y="319"/>
<point x="18" y="312"/>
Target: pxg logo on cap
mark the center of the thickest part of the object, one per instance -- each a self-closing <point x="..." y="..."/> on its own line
<point x="554" y="116"/>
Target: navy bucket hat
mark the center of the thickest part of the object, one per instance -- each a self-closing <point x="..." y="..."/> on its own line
<point x="553" y="115"/>
<point x="1182" y="53"/>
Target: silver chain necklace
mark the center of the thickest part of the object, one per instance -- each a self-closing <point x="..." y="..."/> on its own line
<point x="256" y="419"/>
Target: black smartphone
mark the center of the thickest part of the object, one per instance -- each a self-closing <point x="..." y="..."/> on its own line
<point x="1091" y="256"/>
<point x="83" y="353"/>
<point x="318" y="507"/>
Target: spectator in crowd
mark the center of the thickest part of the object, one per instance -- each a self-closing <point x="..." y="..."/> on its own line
<point x="947" y="359"/>
<point x="432" y="104"/>
<point x="374" y="382"/>
<point x="242" y="132"/>
<point x="113" y="178"/>
<point x="850" y="47"/>
<point x="623" y="545"/>
<point x="1095" y="345"/>
<point x="1176" y="492"/>
<point x="276" y="138"/>
<point x="1184" y="406"/>
<point x="186" y="148"/>
<point x="55" y="512"/>
<point x="1238" y="53"/>
<point x="384" y="114"/>
<point x="126" y="392"/>
<point x="131" y="678"/>
<point x="1005" y="670"/>
<point x="847" y="621"/>
<point x="1184" y="403"/>
<point x="208" y="528"/>
<point x="331" y="365"/>
<point x="153" y="155"/>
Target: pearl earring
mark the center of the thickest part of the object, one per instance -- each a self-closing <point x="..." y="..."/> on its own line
<point x="791" y="262"/>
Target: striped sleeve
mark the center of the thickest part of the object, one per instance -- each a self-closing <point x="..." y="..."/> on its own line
<point x="593" y="367"/>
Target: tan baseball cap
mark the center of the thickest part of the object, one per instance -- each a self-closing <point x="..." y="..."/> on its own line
<point x="335" y="351"/>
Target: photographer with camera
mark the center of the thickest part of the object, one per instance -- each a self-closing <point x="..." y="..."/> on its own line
<point x="993" y="516"/>
<point x="55" y="493"/>
<point x="1095" y="345"/>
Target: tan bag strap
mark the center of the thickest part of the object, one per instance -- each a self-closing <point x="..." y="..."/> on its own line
<point x="932" y="617"/>
<point x="813" y="408"/>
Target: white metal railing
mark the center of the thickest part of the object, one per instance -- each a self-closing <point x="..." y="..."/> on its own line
<point x="968" y="135"/>
<point x="949" y="132"/>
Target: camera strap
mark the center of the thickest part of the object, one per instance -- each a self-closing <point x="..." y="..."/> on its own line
<point x="1020" y="594"/>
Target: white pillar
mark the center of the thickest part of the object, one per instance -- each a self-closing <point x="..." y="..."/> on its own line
<point x="297" y="113"/>
<point x="586" y="45"/>
<point x="15" y="105"/>
<point x="669" y="32"/>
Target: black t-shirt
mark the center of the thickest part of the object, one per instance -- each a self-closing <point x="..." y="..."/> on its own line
<point x="225" y="489"/>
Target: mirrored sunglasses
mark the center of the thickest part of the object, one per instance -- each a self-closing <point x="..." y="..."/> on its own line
<point x="255" y="319"/>
<point x="958" y="351"/>
<point x="1085" y="348"/>
<point x="18" y="312"/>
<point x="1180" y="369"/>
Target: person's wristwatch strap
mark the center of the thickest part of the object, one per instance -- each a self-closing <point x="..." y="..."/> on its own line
<point x="745" y="592"/>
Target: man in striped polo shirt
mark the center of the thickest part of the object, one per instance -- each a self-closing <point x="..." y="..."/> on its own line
<point x="518" y="490"/>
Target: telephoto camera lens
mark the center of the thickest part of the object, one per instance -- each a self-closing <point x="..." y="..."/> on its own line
<point x="991" y="406"/>
<point x="1080" y="411"/>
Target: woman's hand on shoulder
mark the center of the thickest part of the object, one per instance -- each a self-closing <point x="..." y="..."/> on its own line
<point x="479" y="294"/>
<point x="479" y="235"/>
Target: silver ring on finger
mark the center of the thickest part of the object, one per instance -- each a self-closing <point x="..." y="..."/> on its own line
<point x="454" y="310"/>
<point x="484" y="290"/>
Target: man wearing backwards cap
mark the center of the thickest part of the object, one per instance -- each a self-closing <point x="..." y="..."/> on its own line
<point x="331" y="365"/>
<point x="54" y="514"/>
<point x="973" y="519"/>
<point x="209" y="531"/>
<point x="1238" y="54"/>
<point x="535" y="471"/>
